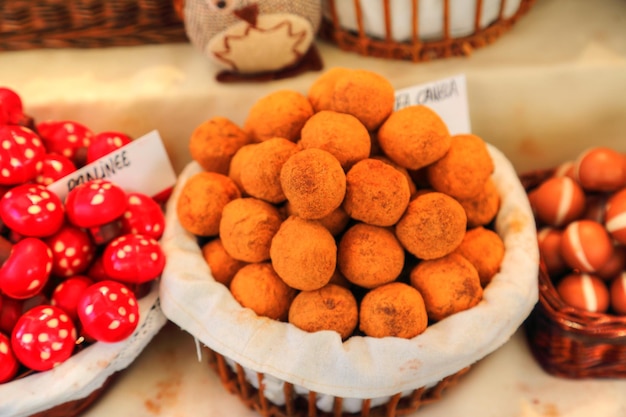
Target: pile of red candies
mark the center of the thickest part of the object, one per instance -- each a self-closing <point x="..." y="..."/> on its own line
<point x="70" y="270"/>
<point x="581" y="217"/>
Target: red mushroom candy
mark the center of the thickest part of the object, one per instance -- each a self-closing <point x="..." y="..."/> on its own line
<point x="104" y="143"/>
<point x="27" y="270"/>
<point x="53" y="168"/>
<point x="11" y="107"/>
<point x="67" y="294"/>
<point x="72" y="251"/>
<point x="98" y="206"/>
<point x="108" y="311"/>
<point x="43" y="338"/>
<point x="9" y="313"/>
<point x="67" y="138"/>
<point x="8" y="362"/>
<point x="21" y="153"/>
<point x="32" y="210"/>
<point x="143" y="216"/>
<point x="133" y="259"/>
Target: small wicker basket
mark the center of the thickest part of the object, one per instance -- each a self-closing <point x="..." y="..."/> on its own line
<point x="352" y="30"/>
<point x="35" y="24"/>
<point x="569" y="342"/>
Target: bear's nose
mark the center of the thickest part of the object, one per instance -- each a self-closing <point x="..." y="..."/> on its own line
<point x="248" y="13"/>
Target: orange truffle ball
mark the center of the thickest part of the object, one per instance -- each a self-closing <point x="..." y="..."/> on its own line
<point x="369" y="256"/>
<point x="320" y="92"/>
<point x="365" y="95"/>
<point x="279" y="114"/>
<point x="304" y="253"/>
<point x="414" y="136"/>
<point x="223" y="266"/>
<point x="214" y="142"/>
<point x="331" y="307"/>
<point x="258" y="287"/>
<point x="201" y="201"/>
<point x="238" y="162"/>
<point x="617" y="290"/>
<point x="463" y="171"/>
<point x="449" y="285"/>
<point x="260" y="177"/>
<point x="482" y="208"/>
<point x="485" y="250"/>
<point x="549" y="241"/>
<point x="314" y="183"/>
<point x="395" y="309"/>
<point x="376" y="193"/>
<point x="615" y="216"/>
<point x="247" y="228"/>
<point x="343" y="135"/>
<point x="433" y="225"/>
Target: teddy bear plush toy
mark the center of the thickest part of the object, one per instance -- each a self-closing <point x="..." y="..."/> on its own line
<point x="254" y="39"/>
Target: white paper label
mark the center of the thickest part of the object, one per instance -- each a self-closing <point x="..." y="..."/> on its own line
<point x="447" y="97"/>
<point x="141" y="166"/>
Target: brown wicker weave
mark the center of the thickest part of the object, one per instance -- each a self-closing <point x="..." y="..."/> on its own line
<point x="570" y="342"/>
<point x="33" y="24"/>
<point x="235" y="382"/>
<point x="416" y="50"/>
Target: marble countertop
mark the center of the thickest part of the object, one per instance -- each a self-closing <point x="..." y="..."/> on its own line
<point x="168" y="381"/>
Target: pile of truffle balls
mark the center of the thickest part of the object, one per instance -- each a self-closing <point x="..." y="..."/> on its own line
<point x="332" y="211"/>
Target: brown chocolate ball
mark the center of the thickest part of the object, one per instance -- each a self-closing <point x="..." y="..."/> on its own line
<point x="201" y="201"/>
<point x="433" y="225"/>
<point x="214" y="142"/>
<point x="304" y="254"/>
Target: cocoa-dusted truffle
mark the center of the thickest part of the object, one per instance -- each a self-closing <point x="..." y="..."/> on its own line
<point x="304" y="253"/>
<point x="485" y="250"/>
<point x="394" y="309"/>
<point x="214" y="142"/>
<point x="320" y="92"/>
<point x="463" y="171"/>
<point x="336" y="221"/>
<point x="223" y="266"/>
<point x="403" y="170"/>
<point x="258" y="287"/>
<point x="414" y="136"/>
<point x="432" y="226"/>
<point x="314" y="183"/>
<point x="343" y="135"/>
<point x="331" y="307"/>
<point x="278" y="114"/>
<point x="369" y="256"/>
<point x="247" y="228"/>
<point x="376" y="193"/>
<point x="366" y="95"/>
<point x="260" y="177"/>
<point x="482" y="208"/>
<point x="449" y="284"/>
<point x="238" y="162"/>
<point x="201" y="201"/>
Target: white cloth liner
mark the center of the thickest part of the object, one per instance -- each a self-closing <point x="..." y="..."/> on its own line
<point x="361" y="367"/>
<point x="86" y="371"/>
<point x="430" y="17"/>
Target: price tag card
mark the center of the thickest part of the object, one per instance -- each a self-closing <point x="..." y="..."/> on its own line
<point x="447" y="97"/>
<point x="140" y="166"/>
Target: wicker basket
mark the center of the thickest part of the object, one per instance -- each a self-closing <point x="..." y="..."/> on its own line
<point x="570" y="342"/>
<point x="417" y="46"/>
<point x="33" y="24"/>
<point x="235" y="381"/>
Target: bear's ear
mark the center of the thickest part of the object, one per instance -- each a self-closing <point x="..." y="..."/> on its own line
<point x="179" y="5"/>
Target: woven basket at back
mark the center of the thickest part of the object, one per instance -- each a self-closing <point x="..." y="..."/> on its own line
<point x="570" y="342"/>
<point x="34" y="24"/>
<point x="416" y="50"/>
<point x="297" y="406"/>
